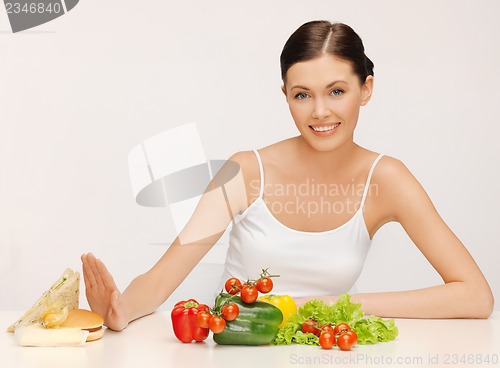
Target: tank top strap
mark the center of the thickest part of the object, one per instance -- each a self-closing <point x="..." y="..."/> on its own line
<point x="367" y="185"/>
<point x="261" y="171"/>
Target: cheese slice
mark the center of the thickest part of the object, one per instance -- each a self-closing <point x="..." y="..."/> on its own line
<point x="37" y="335"/>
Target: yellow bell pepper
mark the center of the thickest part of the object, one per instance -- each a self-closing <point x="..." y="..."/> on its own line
<point x="284" y="303"/>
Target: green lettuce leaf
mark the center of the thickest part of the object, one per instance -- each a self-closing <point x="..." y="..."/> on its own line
<point x="370" y="330"/>
<point x="286" y="333"/>
<point x="346" y="311"/>
<point x="374" y="329"/>
<point x="305" y="338"/>
<point x="314" y="309"/>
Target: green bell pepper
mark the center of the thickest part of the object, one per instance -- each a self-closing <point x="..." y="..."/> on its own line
<point x="256" y="324"/>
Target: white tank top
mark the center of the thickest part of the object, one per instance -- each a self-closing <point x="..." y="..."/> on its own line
<point x="309" y="263"/>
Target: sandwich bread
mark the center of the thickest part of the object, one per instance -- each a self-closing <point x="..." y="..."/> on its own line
<point x="66" y="291"/>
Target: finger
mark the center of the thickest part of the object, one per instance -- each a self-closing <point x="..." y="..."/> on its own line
<point x="95" y="270"/>
<point x="86" y="278"/>
<point x="106" y="276"/>
<point x="88" y="275"/>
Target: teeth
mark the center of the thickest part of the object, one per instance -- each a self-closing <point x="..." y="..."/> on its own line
<point x="325" y="128"/>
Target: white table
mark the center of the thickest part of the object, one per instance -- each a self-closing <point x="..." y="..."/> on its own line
<point x="150" y="342"/>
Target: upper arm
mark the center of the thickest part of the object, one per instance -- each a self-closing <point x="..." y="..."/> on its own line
<point x="248" y="182"/>
<point x="407" y="202"/>
<point x="226" y="195"/>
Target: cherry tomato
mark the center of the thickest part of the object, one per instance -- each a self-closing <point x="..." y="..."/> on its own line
<point x="249" y="293"/>
<point x="327" y="327"/>
<point x="217" y="324"/>
<point x="353" y="335"/>
<point x="202" y="319"/>
<point x="326" y="340"/>
<point x="233" y="285"/>
<point x="341" y="327"/>
<point x="310" y="325"/>
<point x="264" y="285"/>
<point x="346" y="341"/>
<point x="230" y="311"/>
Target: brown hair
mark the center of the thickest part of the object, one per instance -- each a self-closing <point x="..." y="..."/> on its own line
<point x="312" y="39"/>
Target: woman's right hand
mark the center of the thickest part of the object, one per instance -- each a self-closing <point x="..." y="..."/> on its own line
<point x="102" y="294"/>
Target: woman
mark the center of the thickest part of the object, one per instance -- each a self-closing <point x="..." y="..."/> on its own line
<point x="311" y="204"/>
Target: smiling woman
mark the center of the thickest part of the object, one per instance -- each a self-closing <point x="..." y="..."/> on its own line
<point x="327" y="78"/>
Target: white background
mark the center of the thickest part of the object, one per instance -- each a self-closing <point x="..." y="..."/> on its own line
<point x="76" y="95"/>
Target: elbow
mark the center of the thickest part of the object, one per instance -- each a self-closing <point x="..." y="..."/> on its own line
<point x="486" y="308"/>
<point x="483" y="304"/>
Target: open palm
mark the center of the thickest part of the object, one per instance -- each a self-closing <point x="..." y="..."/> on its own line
<point x="102" y="294"/>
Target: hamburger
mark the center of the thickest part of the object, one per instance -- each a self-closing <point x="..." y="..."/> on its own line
<point x="86" y="321"/>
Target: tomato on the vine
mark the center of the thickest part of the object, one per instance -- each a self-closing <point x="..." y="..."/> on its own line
<point x="327" y="327"/>
<point x="346" y="340"/>
<point x="233" y="285"/>
<point x="217" y="324"/>
<point x="311" y="326"/>
<point x="340" y="328"/>
<point x="249" y="293"/>
<point x="326" y="340"/>
<point x="265" y="285"/>
<point x="230" y="311"/>
<point x="202" y="318"/>
<point x="353" y="335"/>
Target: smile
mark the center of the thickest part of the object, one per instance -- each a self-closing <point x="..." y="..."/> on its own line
<point x="324" y="128"/>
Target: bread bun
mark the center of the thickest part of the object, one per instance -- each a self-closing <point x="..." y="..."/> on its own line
<point x="85" y="320"/>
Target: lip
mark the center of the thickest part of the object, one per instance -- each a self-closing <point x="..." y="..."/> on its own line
<point x="325" y="133"/>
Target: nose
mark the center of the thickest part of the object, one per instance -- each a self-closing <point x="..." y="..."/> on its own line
<point x="321" y="109"/>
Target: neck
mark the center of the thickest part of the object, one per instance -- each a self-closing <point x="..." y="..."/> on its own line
<point x="326" y="161"/>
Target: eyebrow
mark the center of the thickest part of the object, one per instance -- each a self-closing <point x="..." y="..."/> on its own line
<point x="328" y="86"/>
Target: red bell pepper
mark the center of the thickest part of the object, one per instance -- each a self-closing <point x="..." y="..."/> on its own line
<point x="184" y="321"/>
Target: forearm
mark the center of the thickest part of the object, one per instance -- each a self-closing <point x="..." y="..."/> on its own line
<point x="205" y="227"/>
<point x="149" y="290"/>
<point x="451" y="300"/>
<point x="142" y="297"/>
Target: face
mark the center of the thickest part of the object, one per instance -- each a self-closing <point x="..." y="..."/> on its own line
<point x="324" y="96"/>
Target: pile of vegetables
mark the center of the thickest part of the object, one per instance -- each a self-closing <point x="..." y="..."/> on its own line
<point x="241" y="317"/>
<point x="237" y="318"/>
<point x="369" y="330"/>
<point x="256" y="324"/>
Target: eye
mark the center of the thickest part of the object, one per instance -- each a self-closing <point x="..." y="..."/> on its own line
<point x="301" y="96"/>
<point x="337" y="92"/>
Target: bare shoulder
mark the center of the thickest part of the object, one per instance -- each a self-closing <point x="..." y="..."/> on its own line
<point x="397" y="188"/>
<point x="393" y="175"/>
<point x="244" y="158"/>
<point x="249" y="166"/>
<point x="247" y="161"/>
<point x="390" y="169"/>
<point x="269" y="154"/>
